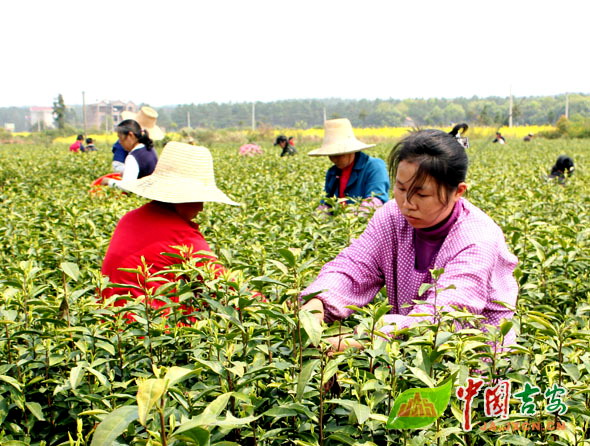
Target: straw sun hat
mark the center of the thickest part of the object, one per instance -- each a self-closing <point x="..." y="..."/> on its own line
<point x="184" y="174"/>
<point x="339" y="139"/>
<point x="146" y="117"/>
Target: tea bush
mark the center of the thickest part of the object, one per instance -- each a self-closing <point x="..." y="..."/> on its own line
<point x="73" y="372"/>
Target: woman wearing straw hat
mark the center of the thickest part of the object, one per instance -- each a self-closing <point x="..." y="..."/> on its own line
<point x="182" y="181"/>
<point x="354" y="174"/>
<point x="428" y="226"/>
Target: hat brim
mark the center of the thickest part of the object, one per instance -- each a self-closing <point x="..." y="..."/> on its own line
<point x="341" y="148"/>
<point x="155" y="132"/>
<point x="168" y="189"/>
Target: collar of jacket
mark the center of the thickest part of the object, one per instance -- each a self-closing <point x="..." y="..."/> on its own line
<point x="360" y="161"/>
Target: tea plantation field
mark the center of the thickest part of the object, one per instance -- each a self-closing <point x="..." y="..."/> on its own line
<point x="73" y="372"/>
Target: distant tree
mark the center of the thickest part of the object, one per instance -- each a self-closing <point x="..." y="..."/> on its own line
<point x="363" y="116"/>
<point x="59" y="112"/>
<point x="387" y="114"/>
<point x="490" y="111"/>
<point x="435" y="116"/>
<point x="484" y="116"/>
<point x="453" y="113"/>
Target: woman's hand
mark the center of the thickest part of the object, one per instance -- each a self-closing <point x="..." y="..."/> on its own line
<point x="316" y="307"/>
<point x="104" y="182"/>
<point x="338" y="343"/>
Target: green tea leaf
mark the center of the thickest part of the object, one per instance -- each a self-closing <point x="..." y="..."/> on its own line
<point x="422" y="376"/>
<point x="10" y="380"/>
<point x="36" y="410"/>
<point x="304" y="377"/>
<point x="288" y="256"/>
<point x="217" y="406"/>
<point x="312" y="326"/>
<point x="148" y="393"/>
<point x="71" y="269"/>
<point x="361" y="412"/>
<point x="424" y="287"/>
<point x="76" y="376"/>
<point x="196" y="434"/>
<point x="174" y="375"/>
<point x="114" y="425"/>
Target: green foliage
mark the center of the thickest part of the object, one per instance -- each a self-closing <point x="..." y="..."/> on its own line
<point x="59" y="112"/>
<point x="304" y="113"/>
<point x="250" y="371"/>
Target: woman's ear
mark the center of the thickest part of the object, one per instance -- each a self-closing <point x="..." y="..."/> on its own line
<point x="461" y="189"/>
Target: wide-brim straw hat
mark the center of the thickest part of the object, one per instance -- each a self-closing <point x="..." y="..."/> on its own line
<point x="339" y="139"/>
<point x="183" y="174"/>
<point x="146" y="117"/>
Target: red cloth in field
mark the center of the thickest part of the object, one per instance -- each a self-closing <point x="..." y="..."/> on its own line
<point x="149" y="231"/>
<point x="76" y="146"/>
<point x="344" y="177"/>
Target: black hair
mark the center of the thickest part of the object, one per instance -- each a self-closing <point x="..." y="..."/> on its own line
<point x="459" y="128"/>
<point x="438" y="155"/>
<point x="564" y="164"/>
<point x="280" y="138"/>
<point x="89" y="141"/>
<point x="130" y="126"/>
<point x="80" y="138"/>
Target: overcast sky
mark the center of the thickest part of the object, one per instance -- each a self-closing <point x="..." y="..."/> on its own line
<point x="179" y="52"/>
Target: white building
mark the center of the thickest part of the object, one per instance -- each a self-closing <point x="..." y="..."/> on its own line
<point x="41" y="118"/>
<point x="106" y="114"/>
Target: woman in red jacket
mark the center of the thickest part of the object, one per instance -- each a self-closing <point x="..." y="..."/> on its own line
<point x="182" y="181"/>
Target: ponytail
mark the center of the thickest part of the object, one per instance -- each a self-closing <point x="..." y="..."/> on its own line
<point x="145" y="139"/>
<point x="459" y="129"/>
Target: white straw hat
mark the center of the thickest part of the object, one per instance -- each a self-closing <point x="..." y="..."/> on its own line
<point x="339" y="139"/>
<point x="146" y="117"/>
<point x="184" y="174"/>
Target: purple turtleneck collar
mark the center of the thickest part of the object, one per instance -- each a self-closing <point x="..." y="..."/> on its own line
<point x="427" y="241"/>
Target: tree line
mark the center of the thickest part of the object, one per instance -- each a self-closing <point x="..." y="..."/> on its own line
<point x="302" y="113"/>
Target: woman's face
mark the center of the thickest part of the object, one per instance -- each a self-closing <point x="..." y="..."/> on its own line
<point x="425" y="209"/>
<point x="128" y="141"/>
<point x="342" y="161"/>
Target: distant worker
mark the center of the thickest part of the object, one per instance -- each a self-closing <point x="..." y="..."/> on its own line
<point x="528" y="138"/>
<point x="354" y="173"/>
<point x="283" y="143"/>
<point x="142" y="158"/>
<point x="291" y="142"/>
<point x="119" y="155"/>
<point x="499" y="138"/>
<point x="90" y="147"/>
<point x="77" y="145"/>
<point x="147" y="118"/>
<point x="563" y="167"/>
